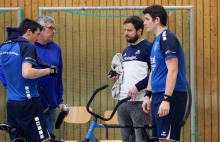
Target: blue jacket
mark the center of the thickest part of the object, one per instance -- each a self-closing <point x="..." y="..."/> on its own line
<point x="53" y="86"/>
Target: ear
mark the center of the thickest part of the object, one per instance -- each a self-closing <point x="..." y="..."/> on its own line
<point x="139" y="31"/>
<point x="157" y="20"/>
<point x="28" y="32"/>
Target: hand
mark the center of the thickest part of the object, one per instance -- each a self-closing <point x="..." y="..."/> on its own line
<point x="53" y="71"/>
<point x="114" y="78"/>
<point x="164" y="109"/>
<point x="146" y="104"/>
<point x="60" y="106"/>
<point x="133" y="92"/>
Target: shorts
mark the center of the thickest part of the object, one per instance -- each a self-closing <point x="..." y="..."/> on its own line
<point x="169" y="126"/>
<point x="29" y="115"/>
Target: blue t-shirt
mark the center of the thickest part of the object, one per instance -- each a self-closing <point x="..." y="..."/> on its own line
<point x="165" y="46"/>
<point x="13" y="55"/>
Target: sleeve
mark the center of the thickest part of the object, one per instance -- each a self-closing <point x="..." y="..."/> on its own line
<point x="169" y="45"/>
<point x="60" y="83"/>
<point x="28" y="53"/>
<point x="2" y="76"/>
<point x="142" y="84"/>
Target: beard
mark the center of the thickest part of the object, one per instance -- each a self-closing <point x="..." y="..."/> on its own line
<point x="132" y="39"/>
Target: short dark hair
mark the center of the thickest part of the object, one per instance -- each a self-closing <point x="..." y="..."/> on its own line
<point x="157" y="11"/>
<point x="29" y="24"/>
<point x="136" y="21"/>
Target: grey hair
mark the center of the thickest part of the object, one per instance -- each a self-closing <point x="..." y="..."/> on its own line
<point x="42" y="20"/>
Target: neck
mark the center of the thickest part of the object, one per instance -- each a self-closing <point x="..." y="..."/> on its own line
<point x="159" y="30"/>
<point x="138" y="41"/>
<point x="41" y="41"/>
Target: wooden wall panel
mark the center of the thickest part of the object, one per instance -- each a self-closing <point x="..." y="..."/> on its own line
<point x="87" y="57"/>
<point x="214" y="72"/>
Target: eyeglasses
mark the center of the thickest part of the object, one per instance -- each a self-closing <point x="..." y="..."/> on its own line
<point x="51" y="28"/>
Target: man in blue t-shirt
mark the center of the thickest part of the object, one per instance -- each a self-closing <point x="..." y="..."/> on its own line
<point x="167" y="82"/>
<point x="18" y="57"/>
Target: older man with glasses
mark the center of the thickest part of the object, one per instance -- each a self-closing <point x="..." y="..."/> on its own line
<point x="50" y="52"/>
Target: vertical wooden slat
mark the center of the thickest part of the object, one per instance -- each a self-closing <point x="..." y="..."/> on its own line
<point x="186" y="45"/>
<point x="214" y="72"/>
<point x="157" y="1"/>
<point x="73" y="134"/>
<point x="200" y="72"/>
<point x="207" y="71"/>
<point x="2" y="23"/>
<point x="55" y="15"/>
<point x="105" y="96"/>
<point x="111" y="53"/>
<point x="34" y="5"/>
<point x="97" y="64"/>
<point x="27" y="9"/>
<point x="3" y="135"/>
<point x="218" y="58"/>
<point x="68" y="66"/>
<point x="83" y="64"/>
<point x="14" y="17"/>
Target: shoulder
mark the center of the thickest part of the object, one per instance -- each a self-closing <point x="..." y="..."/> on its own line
<point x="54" y="44"/>
<point x="26" y="46"/>
<point x="167" y="35"/>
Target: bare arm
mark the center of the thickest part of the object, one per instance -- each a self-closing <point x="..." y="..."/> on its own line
<point x="31" y="73"/>
<point x="172" y="65"/>
<point x="146" y="103"/>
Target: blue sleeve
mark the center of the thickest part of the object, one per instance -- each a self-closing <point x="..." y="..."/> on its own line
<point x="60" y="83"/>
<point x="169" y="45"/>
<point x="142" y="84"/>
<point x="2" y="76"/>
<point x="28" y="53"/>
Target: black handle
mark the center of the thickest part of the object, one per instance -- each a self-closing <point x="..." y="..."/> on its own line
<point x="45" y="95"/>
<point x="113" y="112"/>
<point x="92" y="97"/>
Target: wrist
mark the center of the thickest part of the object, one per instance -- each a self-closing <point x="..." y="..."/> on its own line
<point x="148" y="93"/>
<point x="167" y="98"/>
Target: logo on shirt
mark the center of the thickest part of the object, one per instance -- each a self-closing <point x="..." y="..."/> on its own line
<point x="39" y="128"/>
<point x="124" y="54"/>
<point x="164" y="35"/>
<point x="130" y="58"/>
<point x="138" y="52"/>
<point x="168" y="51"/>
<point x="153" y="63"/>
<point x="27" y="92"/>
<point x="163" y="133"/>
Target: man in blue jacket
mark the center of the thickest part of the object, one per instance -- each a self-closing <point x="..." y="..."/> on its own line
<point x="49" y="52"/>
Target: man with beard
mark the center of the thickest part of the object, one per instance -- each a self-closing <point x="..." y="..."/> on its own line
<point x="136" y="63"/>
